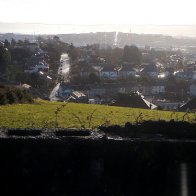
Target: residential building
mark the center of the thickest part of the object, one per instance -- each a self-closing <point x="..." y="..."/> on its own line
<point x="149" y="70"/>
<point x="108" y="72"/>
<point x="1" y="44"/>
<point x="133" y="101"/>
<point x="41" y="66"/>
<point x="184" y="75"/>
<point x="87" y="70"/>
<point x="78" y="97"/>
<point x="193" y="89"/>
<point x="189" y="106"/>
<point x="126" y="71"/>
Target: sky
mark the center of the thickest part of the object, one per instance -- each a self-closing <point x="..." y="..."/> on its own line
<point x="156" y="12"/>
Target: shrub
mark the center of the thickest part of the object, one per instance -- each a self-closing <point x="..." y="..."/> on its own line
<point x="3" y="98"/>
<point x="11" y="95"/>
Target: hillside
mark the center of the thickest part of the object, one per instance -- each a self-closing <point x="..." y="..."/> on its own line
<point x="44" y="114"/>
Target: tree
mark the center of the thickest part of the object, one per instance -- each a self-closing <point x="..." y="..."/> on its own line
<point x="11" y="96"/>
<point x="117" y="54"/>
<point x="35" y="80"/>
<point x="93" y="78"/>
<point x="5" y="59"/>
<point x="13" y="43"/>
<point x="131" y="54"/>
<point x="6" y="44"/>
<point x="26" y="41"/>
<point x="73" y="52"/>
<point x="3" y="98"/>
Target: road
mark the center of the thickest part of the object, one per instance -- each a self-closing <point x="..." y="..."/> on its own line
<point x="64" y="67"/>
<point x="63" y="72"/>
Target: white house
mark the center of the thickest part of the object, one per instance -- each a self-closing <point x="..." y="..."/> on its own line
<point x="39" y="67"/>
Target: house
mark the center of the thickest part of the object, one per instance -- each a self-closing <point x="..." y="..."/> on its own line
<point x="126" y="71"/>
<point x="185" y="75"/>
<point x="166" y="104"/>
<point x="193" y="89"/>
<point x="108" y="72"/>
<point x="41" y="66"/>
<point x="152" y="89"/>
<point x="169" y="71"/>
<point x="134" y="100"/>
<point x="32" y="46"/>
<point x="194" y="75"/>
<point x="149" y="70"/>
<point x="65" y="90"/>
<point x="78" y="97"/>
<point x="190" y="66"/>
<point x="87" y="70"/>
<point x="189" y="106"/>
<point x="1" y="44"/>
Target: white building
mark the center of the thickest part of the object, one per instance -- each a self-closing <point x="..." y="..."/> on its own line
<point x="39" y="67"/>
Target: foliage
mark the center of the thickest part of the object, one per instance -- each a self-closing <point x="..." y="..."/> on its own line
<point x="149" y="129"/>
<point x="73" y="52"/>
<point x="11" y="95"/>
<point x="132" y="54"/>
<point x="5" y="59"/>
<point x="33" y="79"/>
<point x="93" y="78"/>
<point x="20" y="53"/>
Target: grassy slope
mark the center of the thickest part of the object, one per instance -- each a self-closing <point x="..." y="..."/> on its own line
<point x="42" y="114"/>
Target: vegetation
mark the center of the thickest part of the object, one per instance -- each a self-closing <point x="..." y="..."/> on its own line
<point x="44" y="114"/>
<point x="5" y="59"/>
<point x="11" y="95"/>
<point x="132" y="54"/>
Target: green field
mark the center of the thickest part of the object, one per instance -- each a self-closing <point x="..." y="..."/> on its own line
<point x="45" y="114"/>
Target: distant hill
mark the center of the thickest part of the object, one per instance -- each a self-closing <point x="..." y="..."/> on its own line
<point x="38" y="28"/>
<point x="113" y="35"/>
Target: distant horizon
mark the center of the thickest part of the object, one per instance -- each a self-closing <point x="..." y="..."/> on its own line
<point x="180" y="30"/>
<point x="91" y="24"/>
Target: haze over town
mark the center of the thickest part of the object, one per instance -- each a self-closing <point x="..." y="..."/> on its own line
<point x="54" y="17"/>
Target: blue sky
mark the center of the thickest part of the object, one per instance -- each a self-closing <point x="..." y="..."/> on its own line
<point x="160" y="12"/>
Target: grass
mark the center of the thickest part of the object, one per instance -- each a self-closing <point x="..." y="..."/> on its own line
<point x="45" y="114"/>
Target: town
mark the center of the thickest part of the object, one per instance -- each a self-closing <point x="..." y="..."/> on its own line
<point x="98" y="98"/>
<point x="119" y="69"/>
